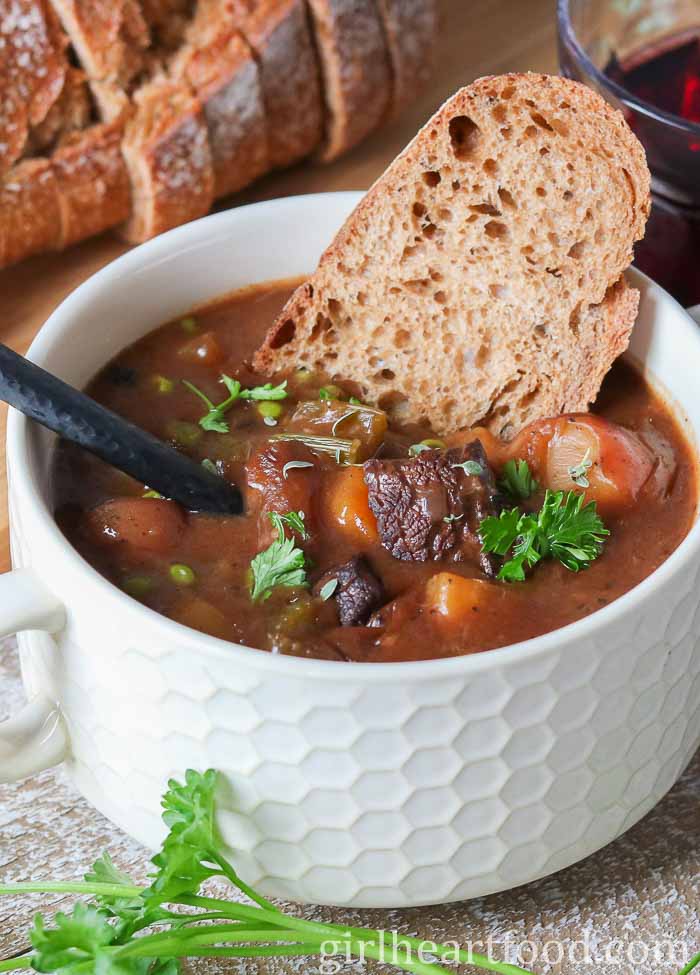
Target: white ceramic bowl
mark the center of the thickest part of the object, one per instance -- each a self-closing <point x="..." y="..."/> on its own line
<point x="354" y="784"/>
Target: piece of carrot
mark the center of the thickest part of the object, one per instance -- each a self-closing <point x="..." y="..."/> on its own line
<point x="451" y="599"/>
<point x="346" y="506"/>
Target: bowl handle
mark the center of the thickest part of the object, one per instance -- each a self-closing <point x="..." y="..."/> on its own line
<point x="36" y="737"/>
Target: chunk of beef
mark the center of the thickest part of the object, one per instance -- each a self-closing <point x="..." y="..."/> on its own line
<point x="358" y="591"/>
<point x="430" y="507"/>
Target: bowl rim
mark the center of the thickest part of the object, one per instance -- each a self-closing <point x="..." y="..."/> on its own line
<point x="569" y="37"/>
<point x="27" y="485"/>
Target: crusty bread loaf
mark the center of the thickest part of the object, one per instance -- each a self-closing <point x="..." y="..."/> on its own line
<point x="166" y="149"/>
<point x="411" y="28"/>
<point x="472" y="283"/>
<point x="355" y="69"/>
<point x="221" y="70"/>
<point x="92" y="183"/>
<point x="278" y="33"/>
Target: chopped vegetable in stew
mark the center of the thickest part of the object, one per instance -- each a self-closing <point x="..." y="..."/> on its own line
<point x="362" y="541"/>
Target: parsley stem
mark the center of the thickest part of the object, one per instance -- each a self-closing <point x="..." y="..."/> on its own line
<point x="693" y="963"/>
<point x="13" y="964"/>
<point x="69" y="887"/>
<point x="231" y="875"/>
<point x="342" y="932"/>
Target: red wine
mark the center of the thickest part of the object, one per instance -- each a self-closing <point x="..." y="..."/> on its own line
<point x="667" y="76"/>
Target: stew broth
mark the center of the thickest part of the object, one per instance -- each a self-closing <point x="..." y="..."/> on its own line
<point x="200" y="573"/>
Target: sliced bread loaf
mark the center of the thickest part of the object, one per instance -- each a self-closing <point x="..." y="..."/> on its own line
<point x="478" y="281"/>
<point x="355" y="70"/>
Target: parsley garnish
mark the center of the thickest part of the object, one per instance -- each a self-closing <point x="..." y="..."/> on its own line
<point x="129" y="930"/>
<point x="517" y="480"/>
<point x="282" y="564"/>
<point x="213" y="420"/>
<point x="577" y="472"/>
<point x="563" y="529"/>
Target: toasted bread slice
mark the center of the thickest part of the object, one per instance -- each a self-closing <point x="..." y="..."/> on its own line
<point x="166" y="149"/>
<point x="92" y="182"/>
<point x="471" y="284"/>
<point x="222" y="72"/>
<point x="355" y="70"/>
<point x="30" y="221"/>
<point x="279" y="35"/>
<point x="411" y="28"/>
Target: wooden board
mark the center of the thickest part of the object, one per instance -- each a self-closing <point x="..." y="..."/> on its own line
<point x="478" y="37"/>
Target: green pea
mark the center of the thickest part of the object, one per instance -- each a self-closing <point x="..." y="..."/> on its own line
<point x="182" y="575"/>
<point x="188" y="324"/>
<point x="163" y="385"/>
<point x="269" y="408"/>
<point x="332" y="392"/>
<point x="152" y="494"/>
<point x="137" y="586"/>
<point x="184" y="434"/>
<point x="303" y="375"/>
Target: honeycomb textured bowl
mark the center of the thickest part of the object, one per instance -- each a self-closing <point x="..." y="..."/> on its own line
<point x="364" y="785"/>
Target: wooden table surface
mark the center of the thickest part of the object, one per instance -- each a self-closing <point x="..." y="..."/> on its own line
<point x="643" y="890"/>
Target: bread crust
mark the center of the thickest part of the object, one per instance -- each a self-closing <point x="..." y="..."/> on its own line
<point x="166" y="150"/>
<point x="278" y="33"/>
<point x="355" y="70"/>
<point x="222" y="72"/>
<point x="29" y="211"/>
<point x="411" y="28"/>
<point x="33" y="69"/>
<point x="92" y="183"/>
<point x="472" y="284"/>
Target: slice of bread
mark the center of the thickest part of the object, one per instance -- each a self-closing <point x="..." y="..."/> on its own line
<point x="166" y="149"/>
<point x="30" y="221"/>
<point x="92" y="182"/>
<point x="33" y="69"/>
<point x="411" y="28"/>
<point x="222" y="72"/>
<point x="355" y="70"/>
<point x="279" y="35"/>
<point x="472" y="284"/>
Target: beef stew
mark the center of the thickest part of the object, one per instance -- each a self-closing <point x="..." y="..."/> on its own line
<point x="362" y="541"/>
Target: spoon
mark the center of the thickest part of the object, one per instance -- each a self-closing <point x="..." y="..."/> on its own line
<point x="76" y="417"/>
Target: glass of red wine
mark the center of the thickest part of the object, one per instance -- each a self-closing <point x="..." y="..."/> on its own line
<point x="643" y="56"/>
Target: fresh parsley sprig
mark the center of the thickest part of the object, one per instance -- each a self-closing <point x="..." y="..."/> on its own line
<point x="564" y="529"/>
<point x="100" y="939"/>
<point x="517" y="480"/>
<point x="213" y="420"/>
<point x="282" y="564"/>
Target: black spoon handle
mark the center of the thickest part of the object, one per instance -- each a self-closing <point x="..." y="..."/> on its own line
<point x="78" y="418"/>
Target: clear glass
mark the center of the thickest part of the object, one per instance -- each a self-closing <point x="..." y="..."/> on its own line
<point x="595" y="35"/>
